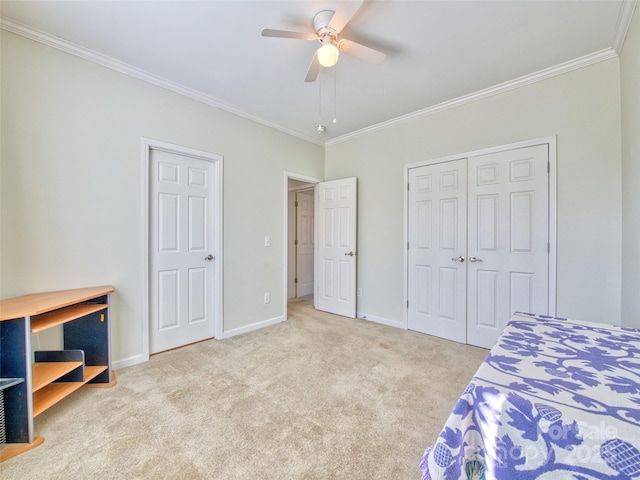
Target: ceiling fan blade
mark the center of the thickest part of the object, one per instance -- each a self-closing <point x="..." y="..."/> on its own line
<point x="314" y="69"/>
<point x="343" y="14"/>
<point x="360" y="51"/>
<point x="270" y="32"/>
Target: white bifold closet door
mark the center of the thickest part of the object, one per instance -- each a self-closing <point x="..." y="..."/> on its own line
<point x="437" y="249"/>
<point x="478" y="243"/>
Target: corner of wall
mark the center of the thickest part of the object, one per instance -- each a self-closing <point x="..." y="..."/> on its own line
<point x="630" y="123"/>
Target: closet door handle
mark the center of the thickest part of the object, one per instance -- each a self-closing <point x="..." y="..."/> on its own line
<point x="459" y="259"/>
<point x="474" y="259"/>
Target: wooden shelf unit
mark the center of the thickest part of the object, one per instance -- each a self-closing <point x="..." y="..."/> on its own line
<point x="38" y="380"/>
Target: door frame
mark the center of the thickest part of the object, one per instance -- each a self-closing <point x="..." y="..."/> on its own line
<point x="285" y="269"/>
<point x="551" y="143"/>
<point x="149" y="144"/>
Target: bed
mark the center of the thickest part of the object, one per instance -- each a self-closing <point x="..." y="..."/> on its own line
<point x="554" y="399"/>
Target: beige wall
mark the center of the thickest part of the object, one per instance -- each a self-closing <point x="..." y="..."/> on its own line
<point x="71" y="183"/>
<point x="630" y="100"/>
<point x="71" y="178"/>
<point x="581" y="107"/>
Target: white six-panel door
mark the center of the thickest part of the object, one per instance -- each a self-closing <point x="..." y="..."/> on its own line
<point x="181" y="239"/>
<point x="437" y="250"/>
<point x="305" y="243"/>
<point x="508" y="267"/>
<point x="336" y="263"/>
<point x="478" y="246"/>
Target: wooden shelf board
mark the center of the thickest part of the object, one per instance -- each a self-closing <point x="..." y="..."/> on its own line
<point x="54" y="392"/>
<point x="64" y="315"/>
<point x="92" y="371"/>
<point x="43" y="373"/>
<point x="10" y="450"/>
<point x="112" y="383"/>
<point x="37" y="303"/>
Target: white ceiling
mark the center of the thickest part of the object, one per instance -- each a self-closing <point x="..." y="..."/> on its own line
<point x="437" y="51"/>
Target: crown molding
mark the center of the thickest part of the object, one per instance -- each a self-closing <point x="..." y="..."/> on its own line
<point x="121" y="67"/>
<point x="624" y="20"/>
<point x="566" y="67"/>
<point x="625" y="17"/>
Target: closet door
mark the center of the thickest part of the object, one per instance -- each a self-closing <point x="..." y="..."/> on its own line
<point x="437" y="233"/>
<point x="508" y="259"/>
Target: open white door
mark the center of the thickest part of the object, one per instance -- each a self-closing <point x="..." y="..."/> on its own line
<point x="336" y="259"/>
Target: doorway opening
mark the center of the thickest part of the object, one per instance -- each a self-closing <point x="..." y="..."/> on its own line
<point x="300" y="250"/>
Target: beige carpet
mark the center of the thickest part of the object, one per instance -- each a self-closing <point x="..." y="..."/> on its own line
<point x="316" y="397"/>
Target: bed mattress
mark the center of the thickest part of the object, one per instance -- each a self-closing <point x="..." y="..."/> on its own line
<point x="554" y="399"/>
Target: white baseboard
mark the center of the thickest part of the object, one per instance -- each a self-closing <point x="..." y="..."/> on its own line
<point x="136" y="359"/>
<point x="252" y="327"/>
<point x="128" y="362"/>
<point x="383" y="321"/>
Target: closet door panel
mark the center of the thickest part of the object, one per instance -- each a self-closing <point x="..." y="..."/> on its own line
<point x="508" y="237"/>
<point x="437" y="239"/>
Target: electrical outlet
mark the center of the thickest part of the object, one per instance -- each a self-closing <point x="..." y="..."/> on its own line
<point x="267" y="297"/>
<point x="359" y="292"/>
<point x="267" y="241"/>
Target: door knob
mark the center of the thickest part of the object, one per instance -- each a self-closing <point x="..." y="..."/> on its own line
<point x="474" y="259"/>
<point x="209" y="257"/>
<point x="350" y="254"/>
<point x="459" y="259"/>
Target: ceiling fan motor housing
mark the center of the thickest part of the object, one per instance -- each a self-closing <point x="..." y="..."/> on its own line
<point x="321" y="24"/>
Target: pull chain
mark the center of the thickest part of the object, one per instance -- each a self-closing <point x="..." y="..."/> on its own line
<point x="320" y="128"/>
<point x="335" y="94"/>
<point x="320" y="98"/>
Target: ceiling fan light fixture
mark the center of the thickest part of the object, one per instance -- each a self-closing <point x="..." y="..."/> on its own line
<point x="328" y="55"/>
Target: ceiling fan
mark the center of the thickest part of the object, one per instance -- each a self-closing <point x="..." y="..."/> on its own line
<point x="328" y="25"/>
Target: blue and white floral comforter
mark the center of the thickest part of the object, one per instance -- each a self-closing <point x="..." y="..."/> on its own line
<point x="554" y="399"/>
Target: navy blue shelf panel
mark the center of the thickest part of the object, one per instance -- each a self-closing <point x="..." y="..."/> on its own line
<point x="14" y="363"/>
<point x="91" y="334"/>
